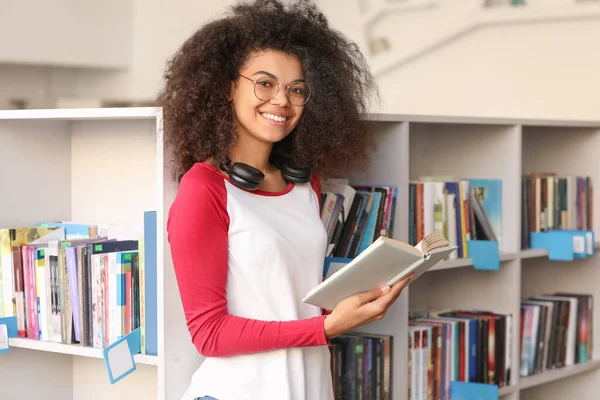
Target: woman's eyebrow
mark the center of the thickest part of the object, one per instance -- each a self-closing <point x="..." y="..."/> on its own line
<point x="270" y="75"/>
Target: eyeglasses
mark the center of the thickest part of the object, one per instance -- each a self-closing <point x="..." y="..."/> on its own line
<point x="266" y="89"/>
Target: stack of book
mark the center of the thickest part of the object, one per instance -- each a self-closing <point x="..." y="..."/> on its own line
<point x="553" y="202"/>
<point x="361" y="366"/>
<point x="457" y="345"/>
<point x="81" y="284"/>
<point x="461" y="210"/>
<point x="355" y="216"/>
<point x="556" y="331"/>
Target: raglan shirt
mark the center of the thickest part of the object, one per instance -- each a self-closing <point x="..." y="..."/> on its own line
<point x="243" y="261"/>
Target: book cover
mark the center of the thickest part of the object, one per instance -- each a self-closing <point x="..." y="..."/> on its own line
<point x="489" y="194"/>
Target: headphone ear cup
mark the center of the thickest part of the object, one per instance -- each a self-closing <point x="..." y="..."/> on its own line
<point x="294" y="173"/>
<point x="245" y="176"/>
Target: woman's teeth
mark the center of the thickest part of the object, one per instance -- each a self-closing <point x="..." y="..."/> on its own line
<point x="274" y="117"/>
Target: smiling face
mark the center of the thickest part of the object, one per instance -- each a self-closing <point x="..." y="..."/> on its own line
<point x="267" y="121"/>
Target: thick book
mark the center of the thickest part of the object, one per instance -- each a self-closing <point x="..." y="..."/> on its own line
<point x="385" y="261"/>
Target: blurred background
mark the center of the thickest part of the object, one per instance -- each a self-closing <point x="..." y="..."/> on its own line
<point x="509" y="58"/>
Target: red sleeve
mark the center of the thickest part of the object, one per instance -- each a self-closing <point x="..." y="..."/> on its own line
<point x="197" y="227"/>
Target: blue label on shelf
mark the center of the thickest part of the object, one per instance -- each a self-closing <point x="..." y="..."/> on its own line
<point x="473" y="391"/>
<point x="118" y="357"/>
<point x="8" y="329"/>
<point x="11" y="325"/>
<point x="484" y="254"/>
<point x="564" y="245"/>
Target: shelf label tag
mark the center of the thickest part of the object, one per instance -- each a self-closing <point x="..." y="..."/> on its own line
<point x="473" y="391"/>
<point x="564" y="245"/>
<point x="579" y="246"/>
<point x="485" y="254"/>
<point x="8" y="329"/>
<point x="11" y="326"/>
<point x="589" y="242"/>
<point x="3" y="339"/>
<point x="558" y="243"/>
<point x="118" y="356"/>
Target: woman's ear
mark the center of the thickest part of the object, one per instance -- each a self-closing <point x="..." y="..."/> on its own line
<point x="230" y="93"/>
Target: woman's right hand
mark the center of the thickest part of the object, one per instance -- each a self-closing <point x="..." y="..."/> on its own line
<point x="362" y="308"/>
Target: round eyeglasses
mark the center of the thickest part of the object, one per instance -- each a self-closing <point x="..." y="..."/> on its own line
<point x="266" y="88"/>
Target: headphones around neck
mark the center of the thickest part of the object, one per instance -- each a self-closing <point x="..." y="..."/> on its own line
<point x="250" y="178"/>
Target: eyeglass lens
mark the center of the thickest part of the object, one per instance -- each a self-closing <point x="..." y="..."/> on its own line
<point x="266" y="89"/>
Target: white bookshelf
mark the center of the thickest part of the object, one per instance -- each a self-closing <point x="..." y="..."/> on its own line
<point x="80" y="158"/>
<point x="501" y="149"/>
<point x="89" y="165"/>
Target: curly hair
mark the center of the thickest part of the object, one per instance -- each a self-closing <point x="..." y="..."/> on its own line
<point x="332" y="137"/>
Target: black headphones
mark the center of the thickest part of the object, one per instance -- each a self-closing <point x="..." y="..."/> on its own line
<point x="250" y="178"/>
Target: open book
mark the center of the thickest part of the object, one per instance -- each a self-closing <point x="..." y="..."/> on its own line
<point x="385" y="261"/>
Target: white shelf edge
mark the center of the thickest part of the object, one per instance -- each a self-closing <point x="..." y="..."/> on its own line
<point x="71" y="349"/>
<point x="467" y="262"/>
<point x="506" y="390"/>
<point x="556" y="374"/>
<point x="152" y="112"/>
<point x="83" y="113"/>
<point x="523" y="255"/>
<point x="536" y="253"/>
<point x="480" y="120"/>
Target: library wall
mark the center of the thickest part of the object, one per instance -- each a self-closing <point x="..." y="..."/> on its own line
<point x="530" y="70"/>
<point x="542" y="70"/>
<point x="36" y="86"/>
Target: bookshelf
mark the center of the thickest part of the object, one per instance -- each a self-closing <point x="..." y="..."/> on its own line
<point x="80" y="158"/>
<point x="95" y="166"/>
<point x="499" y="149"/>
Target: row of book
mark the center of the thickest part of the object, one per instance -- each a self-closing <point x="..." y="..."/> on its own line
<point x="361" y="366"/>
<point x="461" y="210"/>
<point x="556" y="331"/>
<point x="554" y="202"/>
<point x="457" y="345"/>
<point x="81" y="284"/>
<point x="355" y="216"/>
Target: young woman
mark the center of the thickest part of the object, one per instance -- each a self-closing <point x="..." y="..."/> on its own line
<point x="258" y="107"/>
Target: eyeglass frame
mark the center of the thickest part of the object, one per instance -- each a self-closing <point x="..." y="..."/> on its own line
<point x="287" y="89"/>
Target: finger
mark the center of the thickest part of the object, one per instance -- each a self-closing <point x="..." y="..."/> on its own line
<point x="370" y="295"/>
<point x="386" y="300"/>
<point x="397" y="287"/>
<point x="405" y="281"/>
<point x="380" y="305"/>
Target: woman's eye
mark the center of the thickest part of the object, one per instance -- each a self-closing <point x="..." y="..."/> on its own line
<point x="265" y="83"/>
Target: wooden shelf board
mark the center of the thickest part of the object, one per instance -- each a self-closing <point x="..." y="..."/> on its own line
<point x="72" y="349"/>
<point x="556" y="374"/>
